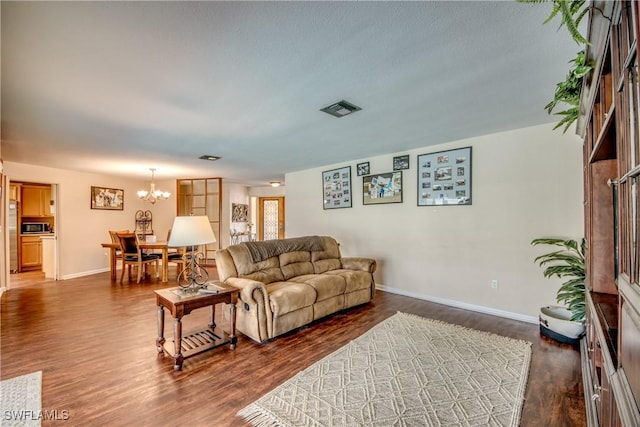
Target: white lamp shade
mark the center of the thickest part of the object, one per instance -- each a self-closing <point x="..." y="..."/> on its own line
<point x="191" y="231"/>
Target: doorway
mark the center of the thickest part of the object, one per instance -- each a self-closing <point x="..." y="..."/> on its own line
<point x="31" y="213"/>
<point x="270" y="218"/>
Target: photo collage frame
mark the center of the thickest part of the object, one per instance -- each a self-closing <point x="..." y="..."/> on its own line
<point x="444" y="179"/>
<point x="336" y="187"/>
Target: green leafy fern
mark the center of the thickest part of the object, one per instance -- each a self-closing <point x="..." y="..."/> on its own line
<point x="568" y="92"/>
<point x="571" y="13"/>
<point x="568" y="262"/>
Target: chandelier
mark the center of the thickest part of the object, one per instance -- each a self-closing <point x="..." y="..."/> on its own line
<point x="153" y="195"/>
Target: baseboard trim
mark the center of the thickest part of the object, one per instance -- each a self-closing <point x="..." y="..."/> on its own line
<point x="462" y="305"/>
<point x="85" y="273"/>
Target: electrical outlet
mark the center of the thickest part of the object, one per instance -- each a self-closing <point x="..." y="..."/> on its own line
<point x="106" y="254"/>
<point x="494" y="284"/>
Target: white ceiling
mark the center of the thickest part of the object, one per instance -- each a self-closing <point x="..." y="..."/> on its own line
<point x="120" y="87"/>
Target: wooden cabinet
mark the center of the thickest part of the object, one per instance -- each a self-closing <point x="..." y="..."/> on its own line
<point x="30" y="253"/>
<point x="609" y="122"/>
<point x="35" y="201"/>
<point x="14" y="192"/>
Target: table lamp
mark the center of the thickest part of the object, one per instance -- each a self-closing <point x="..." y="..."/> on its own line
<point x="192" y="231"/>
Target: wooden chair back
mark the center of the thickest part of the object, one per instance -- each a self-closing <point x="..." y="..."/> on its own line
<point x="129" y="244"/>
<point x="114" y="235"/>
<point x="132" y="255"/>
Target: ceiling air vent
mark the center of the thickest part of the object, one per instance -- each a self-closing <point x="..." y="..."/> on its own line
<point x="341" y="109"/>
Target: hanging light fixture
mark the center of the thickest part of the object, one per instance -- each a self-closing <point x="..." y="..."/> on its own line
<point x="152" y="195"/>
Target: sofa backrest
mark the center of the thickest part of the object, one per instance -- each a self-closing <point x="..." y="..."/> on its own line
<point x="295" y="263"/>
<point x="329" y="258"/>
<point x="266" y="271"/>
<point x="236" y="261"/>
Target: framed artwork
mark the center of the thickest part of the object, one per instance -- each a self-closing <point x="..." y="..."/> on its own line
<point x="401" y="162"/>
<point x="336" y="188"/>
<point x="239" y="212"/>
<point x="382" y="188"/>
<point x="107" y="198"/>
<point x="363" y="168"/>
<point x="444" y="178"/>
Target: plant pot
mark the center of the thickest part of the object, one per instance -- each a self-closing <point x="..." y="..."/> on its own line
<point x="556" y="323"/>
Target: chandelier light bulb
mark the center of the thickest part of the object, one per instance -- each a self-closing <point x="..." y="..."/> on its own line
<point x="153" y="195"/>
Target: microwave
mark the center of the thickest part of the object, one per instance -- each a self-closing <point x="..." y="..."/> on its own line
<point x="34" y="227"/>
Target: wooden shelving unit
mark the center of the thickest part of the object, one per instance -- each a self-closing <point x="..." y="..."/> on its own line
<point x="608" y="122"/>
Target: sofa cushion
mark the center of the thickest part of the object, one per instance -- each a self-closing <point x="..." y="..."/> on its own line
<point x="354" y="280"/>
<point x="328" y="306"/>
<point x="326" y="285"/>
<point x="324" y="265"/>
<point x="266" y="271"/>
<point x="285" y="297"/>
<point x="266" y="275"/>
<point x="328" y="259"/>
<point x="295" y="264"/>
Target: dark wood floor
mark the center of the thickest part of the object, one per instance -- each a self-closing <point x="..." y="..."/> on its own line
<point x="94" y="340"/>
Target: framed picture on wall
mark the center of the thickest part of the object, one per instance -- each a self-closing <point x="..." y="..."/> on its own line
<point x="363" y="168"/>
<point x="336" y="188"/>
<point x="239" y="212"/>
<point x="444" y="178"/>
<point x="382" y="188"/>
<point x="107" y="198"/>
<point x="401" y="162"/>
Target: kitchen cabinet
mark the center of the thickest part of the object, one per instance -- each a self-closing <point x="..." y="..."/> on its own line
<point x="36" y="201"/>
<point x="30" y="253"/>
<point x="14" y="192"/>
<point x="49" y="256"/>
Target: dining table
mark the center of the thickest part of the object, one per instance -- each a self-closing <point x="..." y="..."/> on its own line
<point x="143" y="245"/>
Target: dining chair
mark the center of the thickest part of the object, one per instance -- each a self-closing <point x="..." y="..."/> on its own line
<point x="132" y="255"/>
<point x="114" y="239"/>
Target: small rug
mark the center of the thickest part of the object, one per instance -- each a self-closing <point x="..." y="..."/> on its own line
<point x="21" y="400"/>
<point x="405" y="371"/>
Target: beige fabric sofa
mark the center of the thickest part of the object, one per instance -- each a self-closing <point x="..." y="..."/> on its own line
<point x="288" y="283"/>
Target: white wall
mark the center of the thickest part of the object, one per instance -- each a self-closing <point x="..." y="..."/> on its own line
<point x="526" y="184"/>
<point x="265" y="191"/>
<point x="80" y="230"/>
<point x="232" y="193"/>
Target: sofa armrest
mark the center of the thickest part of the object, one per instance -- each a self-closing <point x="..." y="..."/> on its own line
<point x="255" y="314"/>
<point x="251" y="291"/>
<point x="359" y="263"/>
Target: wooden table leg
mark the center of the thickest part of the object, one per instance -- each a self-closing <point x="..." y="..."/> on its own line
<point x="177" y="336"/>
<point x="112" y="263"/>
<point x="232" y="332"/>
<point x="165" y="264"/>
<point x="212" y="325"/>
<point x="160" y="340"/>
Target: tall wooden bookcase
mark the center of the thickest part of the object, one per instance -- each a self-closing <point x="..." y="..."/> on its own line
<point x="202" y="196"/>
<point x="609" y="117"/>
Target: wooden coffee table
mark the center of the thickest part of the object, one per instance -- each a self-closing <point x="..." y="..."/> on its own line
<point x="179" y="305"/>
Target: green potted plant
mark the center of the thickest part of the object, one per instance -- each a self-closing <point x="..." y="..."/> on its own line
<point x="567" y="94"/>
<point x="564" y="324"/>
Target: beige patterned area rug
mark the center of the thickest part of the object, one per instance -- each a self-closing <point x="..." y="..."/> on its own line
<point x="405" y="371"/>
<point x="21" y="399"/>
